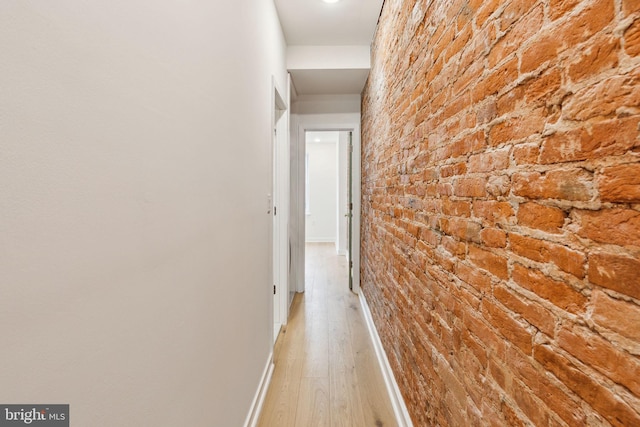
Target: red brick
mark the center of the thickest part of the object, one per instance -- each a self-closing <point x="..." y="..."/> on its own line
<point x="558" y="293"/>
<point x="615" y="226"/>
<point x="615" y="272"/>
<point x="489" y="261"/>
<point x="517" y="128"/>
<point x="488" y="8"/>
<point x="594" y="351"/>
<point x="632" y="39"/>
<point x="470" y="187"/>
<point x="571" y="184"/>
<point x="474" y="277"/>
<point x="602" y="54"/>
<point x="489" y="161"/>
<point x="544" y="218"/>
<point x="456" y="208"/>
<point x="508" y="326"/>
<point x="604" y="97"/>
<point x="496" y="80"/>
<point x="620" y="183"/>
<point x="531" y="311"/>
<point x="558" y="8"/>
<point x="617" y="412"/>
<point x="514" y="11"/>
<point x="526" y="154"/>
<point x="461" y="228"/>
<point x="517" y="34"/>
<point x="630" y="6"/>
<point x="578" y="28"/>
<point x="492" y="212"/>
<point x="510" y="101"/>
<point x="542" y="50"/>
<point x="607" y="138"/>
<point x="500" y="150"/>
<point x="542" y="251"/>
<point x="539" y="89"/>
<point x="452" y="170"/>
<point x="617" y="315"/>
<point x="493" y="238"/>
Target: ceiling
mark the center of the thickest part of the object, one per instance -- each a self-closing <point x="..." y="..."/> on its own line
<point x="315" y="23"/>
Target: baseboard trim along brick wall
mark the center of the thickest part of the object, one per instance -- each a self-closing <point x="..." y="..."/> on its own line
<point x="403" y="419"/>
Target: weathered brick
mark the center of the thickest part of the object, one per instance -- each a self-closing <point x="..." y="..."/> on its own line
<point x="615" y="226"/>
<point x="493" y="238"/>
<point x="496" y="80"/>
<point x="522" y="31"/>
<point x="617" y="412"/>
<point x="542" y="217"/>
<point x="526" y="154"/>
<point x="542" y="251"/>
<point x="575" y="30"/>
<point x="489" y="161"/>
<point x="517" y="128"/>
<point x="632" y="39"/>
<point x="603" y="98"/>
<point x="607" y="138"/>
<point x="620" y="183"/>
<point x="470" y="187"/>
<point x="500" y="147"/>
<point x="489" y="261"/>
<point x="558" y="8"/>
<point x="602" y="54"/>
<point x="598" y="353"/>
<point x="572" y="184"/>
<point x="558" y="293"/>
<point x="508" y="326"/>
<point x="532" y="312"/>
<point x="630" y="6"/>
<point x="616" y="272"/>
<point x="493" y="212"/>
<point x="617" y="315"/>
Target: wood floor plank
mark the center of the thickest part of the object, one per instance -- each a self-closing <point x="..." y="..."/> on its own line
<point x="326" y="370"/>
<point x="313" y="403"/>
<point x="281" y="403"/>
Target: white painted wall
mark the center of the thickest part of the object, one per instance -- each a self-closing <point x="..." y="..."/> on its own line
<point x="329" y="105"/>
<point x="321" y="224"/>
<point x="328" y="57"/>
<point x="134" y="168"/>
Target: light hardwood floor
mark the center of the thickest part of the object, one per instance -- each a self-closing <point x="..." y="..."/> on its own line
<point x="326" y="372"/>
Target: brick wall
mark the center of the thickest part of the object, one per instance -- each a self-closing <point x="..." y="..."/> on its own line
<point x="501" y="209"/>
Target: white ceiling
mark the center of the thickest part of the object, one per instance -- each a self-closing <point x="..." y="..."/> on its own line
<point x="315" y="23"/>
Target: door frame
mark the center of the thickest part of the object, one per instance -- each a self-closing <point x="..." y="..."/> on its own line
<point x="279" y="206"/>
<point x="330" y="123"/>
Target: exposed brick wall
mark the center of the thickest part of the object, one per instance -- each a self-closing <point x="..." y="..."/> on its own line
<point x="501" y="209"/>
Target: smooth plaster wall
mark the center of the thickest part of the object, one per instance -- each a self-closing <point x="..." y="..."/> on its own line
<point x="321" y="224"/>
<point x="134" y="167"/>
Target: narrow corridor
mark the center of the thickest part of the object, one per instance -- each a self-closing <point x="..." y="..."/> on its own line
<point x="326" y="372"/>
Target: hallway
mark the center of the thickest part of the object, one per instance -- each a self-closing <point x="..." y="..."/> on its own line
<point x="326" y="372"/>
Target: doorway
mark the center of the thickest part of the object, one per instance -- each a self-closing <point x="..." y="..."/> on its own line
<point x="328" y="207"/>
<point x="278" y="208"/>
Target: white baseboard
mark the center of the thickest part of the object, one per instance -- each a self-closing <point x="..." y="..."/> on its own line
<point x="397" y="402"/>
<point x="320" y="240"/>
<point x="261" y="393"/>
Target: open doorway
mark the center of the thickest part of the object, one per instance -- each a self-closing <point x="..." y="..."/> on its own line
<point x="327" y="204"/>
